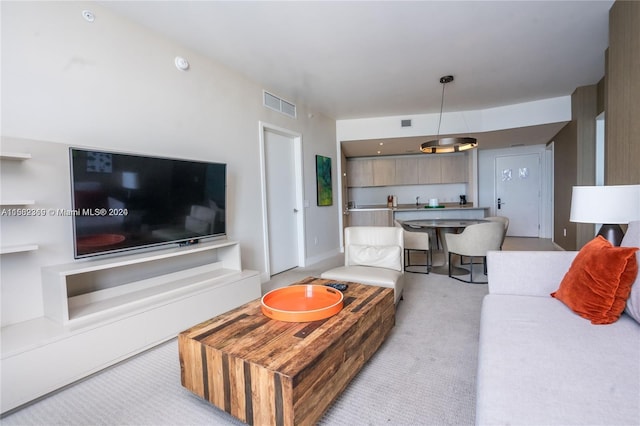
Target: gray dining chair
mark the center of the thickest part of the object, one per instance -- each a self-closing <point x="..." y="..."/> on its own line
<point x="416" y="241"/>
<point x="502" y="219"/>
<point x="474" y="242"/>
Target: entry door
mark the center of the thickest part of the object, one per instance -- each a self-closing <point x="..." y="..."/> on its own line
<point x="281" y="201"/>
<point x="518" y="186"/>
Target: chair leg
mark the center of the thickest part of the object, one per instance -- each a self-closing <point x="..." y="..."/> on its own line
<point x="471" y="263"/>
<point x="484" y="265"/>
<point x="407" y="261"/>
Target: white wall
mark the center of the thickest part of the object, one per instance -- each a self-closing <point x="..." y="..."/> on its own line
<point x="553" y="110"/>
<point x="112" y="84"/>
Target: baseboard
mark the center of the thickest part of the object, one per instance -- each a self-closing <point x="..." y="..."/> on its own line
<point x="322" y="257"/>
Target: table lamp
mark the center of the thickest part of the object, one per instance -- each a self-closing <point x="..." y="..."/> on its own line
<point x="611" y="205"/>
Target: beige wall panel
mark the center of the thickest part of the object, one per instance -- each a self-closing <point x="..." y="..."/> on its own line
<point x="564" y="171"/>
<point x="623" y="95"/>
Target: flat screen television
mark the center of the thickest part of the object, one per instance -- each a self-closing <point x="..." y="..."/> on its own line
<point x="125" y="202"/>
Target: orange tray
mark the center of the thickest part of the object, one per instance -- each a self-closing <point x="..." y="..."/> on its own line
<point x="302" y="303"/>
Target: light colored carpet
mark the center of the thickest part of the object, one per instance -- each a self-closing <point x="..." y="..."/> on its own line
<point x="423" y="374"/>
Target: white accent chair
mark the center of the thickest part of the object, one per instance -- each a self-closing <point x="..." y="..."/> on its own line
<point x="475" y="241"/>
<point x="416" y="241"/>
<point x="372" y="255"/>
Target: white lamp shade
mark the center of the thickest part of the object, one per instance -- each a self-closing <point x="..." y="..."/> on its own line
<point x="611" y="204"/>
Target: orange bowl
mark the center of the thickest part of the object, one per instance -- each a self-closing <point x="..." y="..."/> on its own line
<point x="302" y="303"/>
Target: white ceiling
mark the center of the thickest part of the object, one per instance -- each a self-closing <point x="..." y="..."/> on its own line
<point x="384" y="58"/>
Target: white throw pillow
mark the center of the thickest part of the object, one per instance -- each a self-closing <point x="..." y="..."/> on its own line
<point x="378" y="256"/>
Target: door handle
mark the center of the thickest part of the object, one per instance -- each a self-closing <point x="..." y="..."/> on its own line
<point x="295" y="210"/>
<point x="500" y="203"/>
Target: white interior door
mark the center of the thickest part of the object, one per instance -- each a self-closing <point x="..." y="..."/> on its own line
<point x="282" y="208"/>
<point x="518" y="193"/>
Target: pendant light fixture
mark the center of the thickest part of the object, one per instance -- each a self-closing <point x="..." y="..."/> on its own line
<point x="445" y="145"/>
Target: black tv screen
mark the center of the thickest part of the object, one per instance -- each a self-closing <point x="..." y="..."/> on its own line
<point x="124" y="202"/>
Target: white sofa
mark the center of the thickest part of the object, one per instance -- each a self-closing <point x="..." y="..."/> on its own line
<point x="541" y="364"/>
<point x="372" y="255"/>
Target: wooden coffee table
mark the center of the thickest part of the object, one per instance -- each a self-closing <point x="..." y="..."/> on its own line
<point x="264" y="371"/>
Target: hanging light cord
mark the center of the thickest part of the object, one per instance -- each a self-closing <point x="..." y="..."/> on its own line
<point x="441" y="106"/>
<point x="450" y="144"/>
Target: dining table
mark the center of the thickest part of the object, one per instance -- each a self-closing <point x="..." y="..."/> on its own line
<point x="441" y="227"/>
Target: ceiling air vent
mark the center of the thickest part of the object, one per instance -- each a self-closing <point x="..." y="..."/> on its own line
<point x="405" y="123"/>
<point x="275" y="103"/>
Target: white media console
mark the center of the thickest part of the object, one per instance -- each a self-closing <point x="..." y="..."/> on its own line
<point x="99" y="312"/>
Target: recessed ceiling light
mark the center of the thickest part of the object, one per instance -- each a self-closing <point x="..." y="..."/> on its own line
<point x="381" y="143"/>
<point x="88" y="15"/>
<point x="181" y="63"/>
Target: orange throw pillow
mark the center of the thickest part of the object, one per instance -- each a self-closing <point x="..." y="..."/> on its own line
<point x="598" y="283"/>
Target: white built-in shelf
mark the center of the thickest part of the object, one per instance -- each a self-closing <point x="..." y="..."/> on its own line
<point x="9" y="203"/>
<point x="141" y="294"/>
<point x="15" y="203"/>
<point x="17" y="156"/>
<point x="133" y="292"/>
<point x="127" y="304"/>
<point x="91" y="265"/>
<point x="18" y="249"/>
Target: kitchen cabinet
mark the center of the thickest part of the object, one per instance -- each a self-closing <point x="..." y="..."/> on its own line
<point x="410" y="170"/>
<point x="359" y="173"/>
<point x="384" y="172"/>
<point x="429" y="170"/>
<point x="371" y="172"/>
<point x="370" y="218"/>
<point x="406" y="171"/>
<point x="453" y="168"/>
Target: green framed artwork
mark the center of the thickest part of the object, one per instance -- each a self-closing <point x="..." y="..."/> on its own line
<point x="323" y="179"/>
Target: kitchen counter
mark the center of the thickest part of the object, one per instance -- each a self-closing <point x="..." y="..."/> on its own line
<point x="410" y="211"/>
<point x="412" y="207"/>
